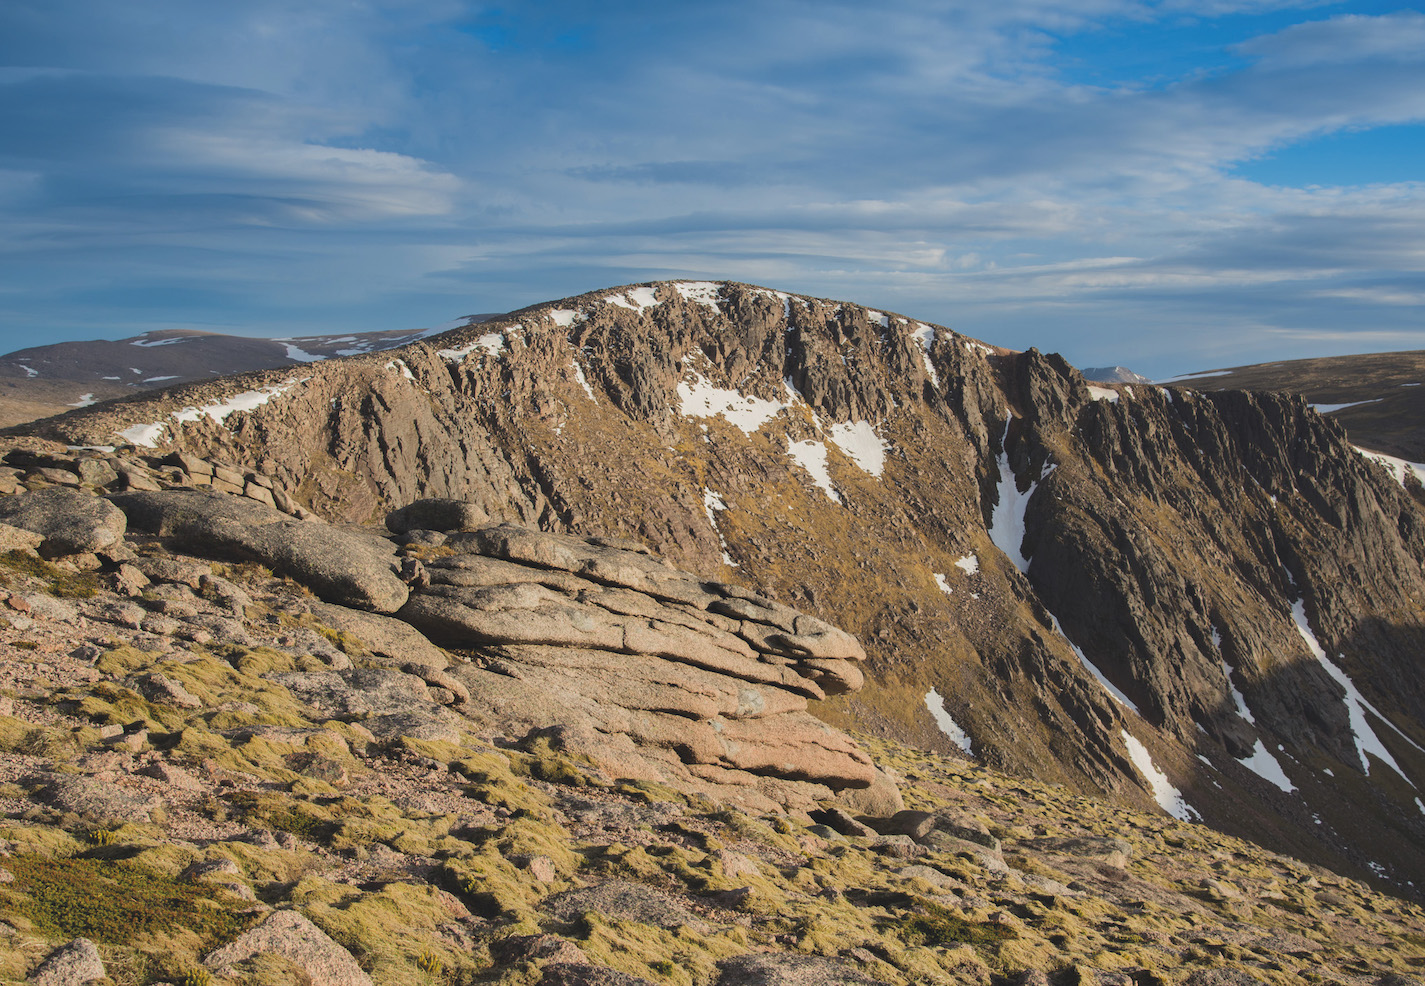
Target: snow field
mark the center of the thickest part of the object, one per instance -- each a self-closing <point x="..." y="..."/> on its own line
<point x="714" y="501"/>
<point x="947" y="725"/>
<point x="148" y="435"/>
<point x="811" y="456"/>
<point x="699" y="399"/>
<point x="1169" y="798"/>
<point x="1398" y="468"/>
<point x="858" y="439"/>
<point x="491" y="342"/>
<point x="1364" y="736"/>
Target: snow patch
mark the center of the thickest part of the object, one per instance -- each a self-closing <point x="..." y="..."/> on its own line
<point x="30" y="371"/>
<point x="948" y="726"/>
<point x="1227" y="672"/>
<point x="940" y="581"/>
<point x="875" y="316"/>
<point x="1169" y="798"/>
<point x="144" y="436"/>
<point x="703" y="292"/>
<point x="1330" y="408"/>
<point x="565" y="317"/>
<point x="969" y="564"/>
<point x="1007" y="521"/>
<point x="1364" y="736"/>
<point x="491" y="342"/>
<point x="1268" y="767"/>
<point x="925" y="335"/>
<point x="1092" y="668"/>
<point x="583" y="381"/>
<point x="634" y="299"/>
<point x="811" y="456"/>
<point x="1194" y="376"/>
<point x="398" y="364"/>
<point x="84" y="401"/>
<point x="246" y="401"/>
<point x="300" y="355"/>
<point x="148" y="343"/>
<point x="858" y="439"/>
<point x="148" y="435"/>
<point x="1398" y="468"/>
<point x="713" y="501"/>
<point x="700" y="399"/>
<point x="171" y="376"/>
<point x="1103" y="394"/>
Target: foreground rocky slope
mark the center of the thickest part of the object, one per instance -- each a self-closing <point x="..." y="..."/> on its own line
<point x="217" y="773"/>
<point x="1205" y="603"/>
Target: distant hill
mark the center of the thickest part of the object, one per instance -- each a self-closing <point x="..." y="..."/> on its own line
<point x="1378" y="397"/>
<point x="1113" y="374"/>
<point x="45" y="380"/>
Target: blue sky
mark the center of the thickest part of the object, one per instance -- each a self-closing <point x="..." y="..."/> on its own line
<point x="1167" y="184"/>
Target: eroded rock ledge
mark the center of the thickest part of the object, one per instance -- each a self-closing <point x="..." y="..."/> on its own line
<point x="648" y="670"/>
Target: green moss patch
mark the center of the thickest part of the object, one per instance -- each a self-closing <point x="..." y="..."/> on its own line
<point x="117" y="902"/>
<point x="58" y="581"/>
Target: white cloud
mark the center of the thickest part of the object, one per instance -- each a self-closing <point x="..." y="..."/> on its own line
<point x="1348" y="38"/>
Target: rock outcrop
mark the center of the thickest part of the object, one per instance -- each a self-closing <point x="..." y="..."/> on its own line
<point x="649" y="670"/>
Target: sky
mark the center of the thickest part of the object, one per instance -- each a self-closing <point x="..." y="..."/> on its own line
<point x="1171" y="185"/>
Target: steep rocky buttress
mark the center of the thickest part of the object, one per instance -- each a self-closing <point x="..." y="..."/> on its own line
<point x="1208" y="604"/>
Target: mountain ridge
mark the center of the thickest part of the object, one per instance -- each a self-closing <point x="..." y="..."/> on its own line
<point x="860" y="465"/>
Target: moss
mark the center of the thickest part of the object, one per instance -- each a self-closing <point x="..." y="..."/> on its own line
<point x="543" y="762"/>
<point x="39" y="840"/>
<point x="17" y="736"/>
<point x="652" y="792"/>
<point x="388" y="930"/>
<point x="268" y="810"/>
<point x="680" y="956"/>
<point x="935" y="925"/>
<point x="58" y="581"/>
<point x="117" y="902"/>
<point x="493" y="781"/>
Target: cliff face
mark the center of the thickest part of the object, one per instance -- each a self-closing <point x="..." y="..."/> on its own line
<point x="1207" y="601"/>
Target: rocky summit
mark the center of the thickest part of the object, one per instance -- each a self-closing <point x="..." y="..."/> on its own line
<point x="601" y="642"/>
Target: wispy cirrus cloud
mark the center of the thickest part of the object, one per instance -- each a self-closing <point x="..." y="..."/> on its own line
<point x="375" y="164"/>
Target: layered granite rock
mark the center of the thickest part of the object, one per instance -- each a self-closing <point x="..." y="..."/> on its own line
<point x="648" y="671"/>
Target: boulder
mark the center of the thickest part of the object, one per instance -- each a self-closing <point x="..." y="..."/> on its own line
<point x="293" y="937"/>
<point x="437" y="515"/>
<point x="19" y="539"/>
<point x="70" y="965"/>
<point x="393" y="639"/>
<point x="622" y="900"/>
<point x="340" y="566"/>
<point x="70" y="521"/>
